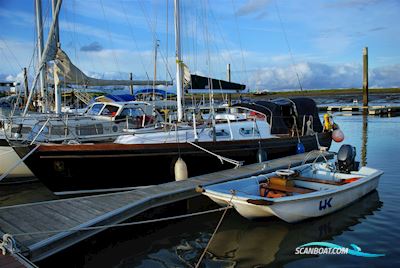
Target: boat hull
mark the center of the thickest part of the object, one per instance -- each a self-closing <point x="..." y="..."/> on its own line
<point x="8" y="158"/>
<point x="294" y="208"/>
<point x="101" y="166"/>
<point x="298" y="210"/>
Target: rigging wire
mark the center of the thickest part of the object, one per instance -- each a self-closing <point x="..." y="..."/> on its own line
<point x="110" y="36"/>
<point x="8" y="61"/>
<point x="222" y="37"/>
<point x="240" y="41"/>
<point x="152" y="29"/>
<point x="133" y="37"/>
<point x="288" y="45"/>
<point x="166" y="46"/>
<point x="165" y="60"/>
<point x="12" y="54"/>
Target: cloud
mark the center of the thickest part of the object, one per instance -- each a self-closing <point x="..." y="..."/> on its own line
<point x="16" y="54"/>
<point x="16" y="17"/>
<point x="253" y="7"/>
<point x="377" y="29"/>
<point x="94" y="46"/>
<point x="352" y="3"/>
<point x="15" y="78"/>
<point x="88" y="30"/>
<point x="387" y="76"/>
<point x="320" y="76"/>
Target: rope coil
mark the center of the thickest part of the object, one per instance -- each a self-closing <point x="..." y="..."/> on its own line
<point x="8" y="244"/>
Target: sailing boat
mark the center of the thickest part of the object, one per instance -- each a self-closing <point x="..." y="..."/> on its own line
<point x="101" y="121"/>
<point x="138" y="159"/>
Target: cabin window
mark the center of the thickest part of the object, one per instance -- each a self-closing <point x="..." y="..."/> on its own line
<point x="135" y="117"/>
<point x="110" y="110"/>
<point x="220" y="133"/>
<point x="59" y="130"/>
<point x="21" y="130"/>
<point x="95" y="129"/>
<point x="132" y="112"/>
<point x="95" y="110"/>
<point x="248" y="131"/>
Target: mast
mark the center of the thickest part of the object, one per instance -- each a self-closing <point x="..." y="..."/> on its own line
<point x="44" y="59"/>
<point x="39" y="30"/>
<point x="156" y="45"/>
<point x="56" y="30"/>
<point x="57" y="89"/>
<point x="179" y="90"/>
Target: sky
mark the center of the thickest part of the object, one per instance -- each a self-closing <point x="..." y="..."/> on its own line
<point x="270" y="44"/>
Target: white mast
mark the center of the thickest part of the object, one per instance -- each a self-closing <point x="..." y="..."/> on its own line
<point x="56" y="30"/>
<point x="57" y="89"/>
<point x="179" y="90"/>
<point x="156" y="45"/>
<point x="39" y="29"/>
<point x="44" y="57"/>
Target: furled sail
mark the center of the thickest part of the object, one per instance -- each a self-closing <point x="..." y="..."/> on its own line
<point x="68" y="73"/>
<point x="202" y="82"/>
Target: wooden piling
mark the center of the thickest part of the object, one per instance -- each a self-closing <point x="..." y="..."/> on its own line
<point x="365" y="77"/>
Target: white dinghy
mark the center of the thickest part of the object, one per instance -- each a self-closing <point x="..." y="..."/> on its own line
<point x="296" y="194"/>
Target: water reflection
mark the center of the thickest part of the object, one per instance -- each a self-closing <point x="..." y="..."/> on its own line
<point x="244" y="243"/>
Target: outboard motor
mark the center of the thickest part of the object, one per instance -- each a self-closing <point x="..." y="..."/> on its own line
<point x="346" y="159"/>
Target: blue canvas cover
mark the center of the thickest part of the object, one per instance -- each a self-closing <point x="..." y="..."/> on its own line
<point x="121" y="97"/>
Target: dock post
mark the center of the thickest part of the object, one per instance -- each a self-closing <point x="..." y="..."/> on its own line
<point x="365" y="77"/>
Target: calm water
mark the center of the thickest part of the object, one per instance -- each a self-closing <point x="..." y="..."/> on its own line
<point x="372" y="223"/>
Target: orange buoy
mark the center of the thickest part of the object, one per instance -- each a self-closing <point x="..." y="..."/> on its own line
<point x="338" y="135"/>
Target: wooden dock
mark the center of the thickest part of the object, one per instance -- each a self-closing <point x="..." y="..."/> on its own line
<point x="372" y="110"/>
<point x="74" y="214"/>
<point x="15" y="261"/>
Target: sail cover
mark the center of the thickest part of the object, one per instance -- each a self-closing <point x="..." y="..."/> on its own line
<point x="202" y="82"/>
<point x="70" y="74"/>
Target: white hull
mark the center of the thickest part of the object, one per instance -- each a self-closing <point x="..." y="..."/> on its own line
<point x="324" y="200"/>
<point x="236" y="130"/>
<point x="8" y="158"/>
<point x="298" y="210"/>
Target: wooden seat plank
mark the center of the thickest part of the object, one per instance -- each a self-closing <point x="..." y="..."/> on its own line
<point x="288" y="189"/>
<point x="300" y="178"/>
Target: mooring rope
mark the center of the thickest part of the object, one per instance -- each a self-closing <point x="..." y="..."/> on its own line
<point x="216" y="229"/>
<point x="220" y="157"/>
<point x="123" y="224"/>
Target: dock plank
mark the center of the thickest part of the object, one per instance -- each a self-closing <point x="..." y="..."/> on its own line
<point x="23" y="224"/>
<point x="83" y="212"/>
<point x="7" y="261"/>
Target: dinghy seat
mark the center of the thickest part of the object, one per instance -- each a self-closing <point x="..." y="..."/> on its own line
<point x="281" y="190"/>
<point x="337" y="183"/>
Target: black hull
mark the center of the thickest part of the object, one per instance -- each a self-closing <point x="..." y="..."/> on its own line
<point x="102" y="166"/>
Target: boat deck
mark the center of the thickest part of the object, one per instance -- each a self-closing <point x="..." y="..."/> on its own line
<point x="57" y="223"/>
